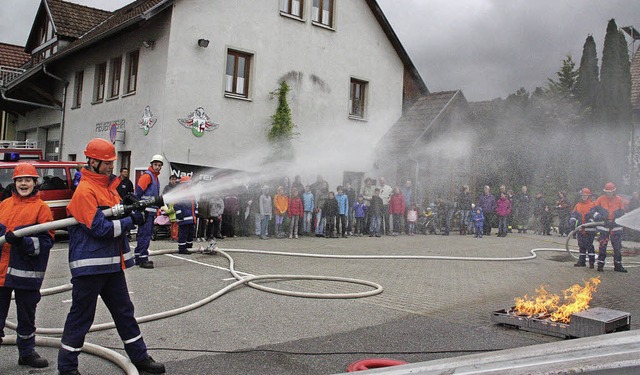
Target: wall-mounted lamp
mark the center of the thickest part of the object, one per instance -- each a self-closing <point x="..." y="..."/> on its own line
<point x="204" y="43"/>
<point x="148" y="43"/>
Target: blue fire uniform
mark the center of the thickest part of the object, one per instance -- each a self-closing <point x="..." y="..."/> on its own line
<point x="98" y="254"/>
<point x="609" y="209"/>
<point x="148" y="186"/>
<point x="186" y="212"/>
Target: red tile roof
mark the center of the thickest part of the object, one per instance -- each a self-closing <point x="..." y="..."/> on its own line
<point x="74" y="20"/>
<point x="12" y="55"/>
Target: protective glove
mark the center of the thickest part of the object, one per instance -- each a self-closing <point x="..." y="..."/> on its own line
<point x="12" y="238"/>
<point x="610" y="224"/>
<point x="596" y="216"/>
<point x="573" y="222"/>
<point x="130" y="199"/>
<point x="138" y="218"/>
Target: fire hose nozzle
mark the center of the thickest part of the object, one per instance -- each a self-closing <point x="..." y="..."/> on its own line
<point x="138" y="205"/>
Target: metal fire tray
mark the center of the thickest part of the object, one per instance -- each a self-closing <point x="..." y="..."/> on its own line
<point x="592" y="322"/>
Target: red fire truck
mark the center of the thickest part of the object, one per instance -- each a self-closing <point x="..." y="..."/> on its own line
<point x="56" y="177"/>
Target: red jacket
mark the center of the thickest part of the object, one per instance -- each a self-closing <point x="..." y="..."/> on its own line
<point x="397" y="204"/>
<point x="22" y="266"/>
<point x="295" y="207"/>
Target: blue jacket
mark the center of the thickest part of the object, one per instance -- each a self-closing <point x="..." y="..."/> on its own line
<point x="23" y="265"/>
<point x="186" y="211"/>
<point x="477" y="218"/>
<point x="308" y="201"/>
<point x="97" y="245"/>
<point x="343" y="204"/>
<point x="359" y="209"/>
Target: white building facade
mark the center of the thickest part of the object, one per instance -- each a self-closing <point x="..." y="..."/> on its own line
<point x="150" y="70"/>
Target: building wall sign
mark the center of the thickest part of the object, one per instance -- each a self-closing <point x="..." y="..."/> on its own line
<point x="103" y="127"/>
<point x="147" y="121"/>
<point x="199" y="122"/>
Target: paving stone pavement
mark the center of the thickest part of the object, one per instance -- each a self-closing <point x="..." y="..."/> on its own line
<point x="429" y="308"/>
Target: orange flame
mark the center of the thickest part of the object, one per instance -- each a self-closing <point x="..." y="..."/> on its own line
<point x="576" y="299"/>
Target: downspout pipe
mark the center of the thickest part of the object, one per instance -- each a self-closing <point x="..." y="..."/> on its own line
<point x="62" y="109"/>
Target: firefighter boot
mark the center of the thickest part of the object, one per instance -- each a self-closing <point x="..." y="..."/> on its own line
<point x="592" y="260"/>
<point x="600" y="267"/>
<point x="581" y="261"/>
<point x="618" y="268"/>
<point x="33" y="360"/>
<point x="150" y="366"/>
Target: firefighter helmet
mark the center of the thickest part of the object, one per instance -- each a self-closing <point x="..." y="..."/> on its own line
<point x="100" y="149"/>
<point x="157" y="158"/>
<point x="585" y="191"/>
<point x="25" y="170"/>
<point x="609" y="187"/>
<point x="185" y="179"/>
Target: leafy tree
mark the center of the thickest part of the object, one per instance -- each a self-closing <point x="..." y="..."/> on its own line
<point x="567" y="77"/>
<point x="281" y="133"/>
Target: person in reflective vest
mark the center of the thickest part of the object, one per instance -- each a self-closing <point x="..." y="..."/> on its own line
<point x="581" y="215"/>
<point x="23" y="260"/>
<point x="609" y="207"/>
<point x="98" y="255"/>
<point x="148" y="186"/>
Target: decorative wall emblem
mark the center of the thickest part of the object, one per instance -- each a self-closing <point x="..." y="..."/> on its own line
<point x="147" y="121"/>
<point x="199" y="122"/>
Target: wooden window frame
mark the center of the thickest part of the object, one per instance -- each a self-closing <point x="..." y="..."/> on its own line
<point x="78" y="85"/>
<point x="358" y="99"/>
<point x="286" y="7"/>
<point x="115" y="75"/>
<point x="247" y="73"/>
<point x="133" y="60"/>
<point x="320" y="17"/>
<point x="100" y="82"/>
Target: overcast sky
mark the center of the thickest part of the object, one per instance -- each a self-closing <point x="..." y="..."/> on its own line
<point x="487" y="48"/>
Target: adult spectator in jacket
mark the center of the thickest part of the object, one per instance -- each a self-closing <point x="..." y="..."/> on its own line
<point x="173" y="183"/>
<point x="608" y="208"/>
<point x="148" y="186"/>
<point x="230" y="214"/>
<point x="98" y="255"/>
<point x="563" y="208"/>
<point x="385" y="194"/>
<point x="409" y="196"/>
<point x="350" y="192"/>
<point x="487" y="202"/>
<point x="24" y="260"/>
<point x="320" y="190"/>
<point x="539" y="213"/>
<point x="464" y="205"/>
<point x="125" y="187"/>
<point x="523" y="209"/>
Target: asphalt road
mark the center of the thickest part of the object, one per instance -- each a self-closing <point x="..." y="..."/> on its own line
<point x="429" y="308"/>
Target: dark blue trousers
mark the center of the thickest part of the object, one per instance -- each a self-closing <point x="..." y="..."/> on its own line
<point x="26" y="302"/>
<point x="185" y="236"/>
<point x="616" y="243"/>
<point x="145" y="231"/>
<point x="112" y="287"/>
<point x="585" y="244"/>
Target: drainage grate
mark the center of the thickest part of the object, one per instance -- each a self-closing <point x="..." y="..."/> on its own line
<point x="591" y="322"/>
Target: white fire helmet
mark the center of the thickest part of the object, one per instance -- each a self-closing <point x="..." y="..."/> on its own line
<point x="157" y="158"/>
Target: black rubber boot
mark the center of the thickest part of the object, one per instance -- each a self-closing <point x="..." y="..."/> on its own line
<point x="619" y="268"/>
<point x="150" y="366"/>
<point x="33" y="360"/>
<point x="600" y="267"/>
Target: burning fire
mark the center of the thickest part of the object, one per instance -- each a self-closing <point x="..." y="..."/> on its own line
<point x="546" y="305"/>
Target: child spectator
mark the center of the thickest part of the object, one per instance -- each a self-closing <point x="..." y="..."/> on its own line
<point x="280" y="206"/>
<point x="503" y="210"/>
<point x="359" y="213"/>
<point x="397" y="210"/>
<point x="266" y="209"/>
<point x="295" y="212"/>
<point x="478" y="220"/>
<point x="375" y="213"/>
<point x="330" y="212"/>
<point x="24" y="260"/>
<point x="412" y="219"/>
<point x="309" y="206"/>
<point x="343" y="211"/>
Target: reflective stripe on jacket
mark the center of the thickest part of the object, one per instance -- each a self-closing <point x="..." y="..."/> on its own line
<point x="97" y="244"/>
<point x="23" y="266"/>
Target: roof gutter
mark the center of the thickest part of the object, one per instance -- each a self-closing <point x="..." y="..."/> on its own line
<point x="64" y="104"/>
<point x="34" y="104"/>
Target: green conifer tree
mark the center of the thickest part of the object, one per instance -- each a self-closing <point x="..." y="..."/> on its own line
<point x="586" y="89"/>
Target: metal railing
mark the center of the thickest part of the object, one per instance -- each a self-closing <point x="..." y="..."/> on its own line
<point x="28" y="144"/>
<point x="8" y="74"/>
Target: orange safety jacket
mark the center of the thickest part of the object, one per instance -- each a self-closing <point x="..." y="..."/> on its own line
<point x="22" y="266"/>
<point x="97" y="244"/>
<point x="280" y="204"/>
<point x="582" y="214"/>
